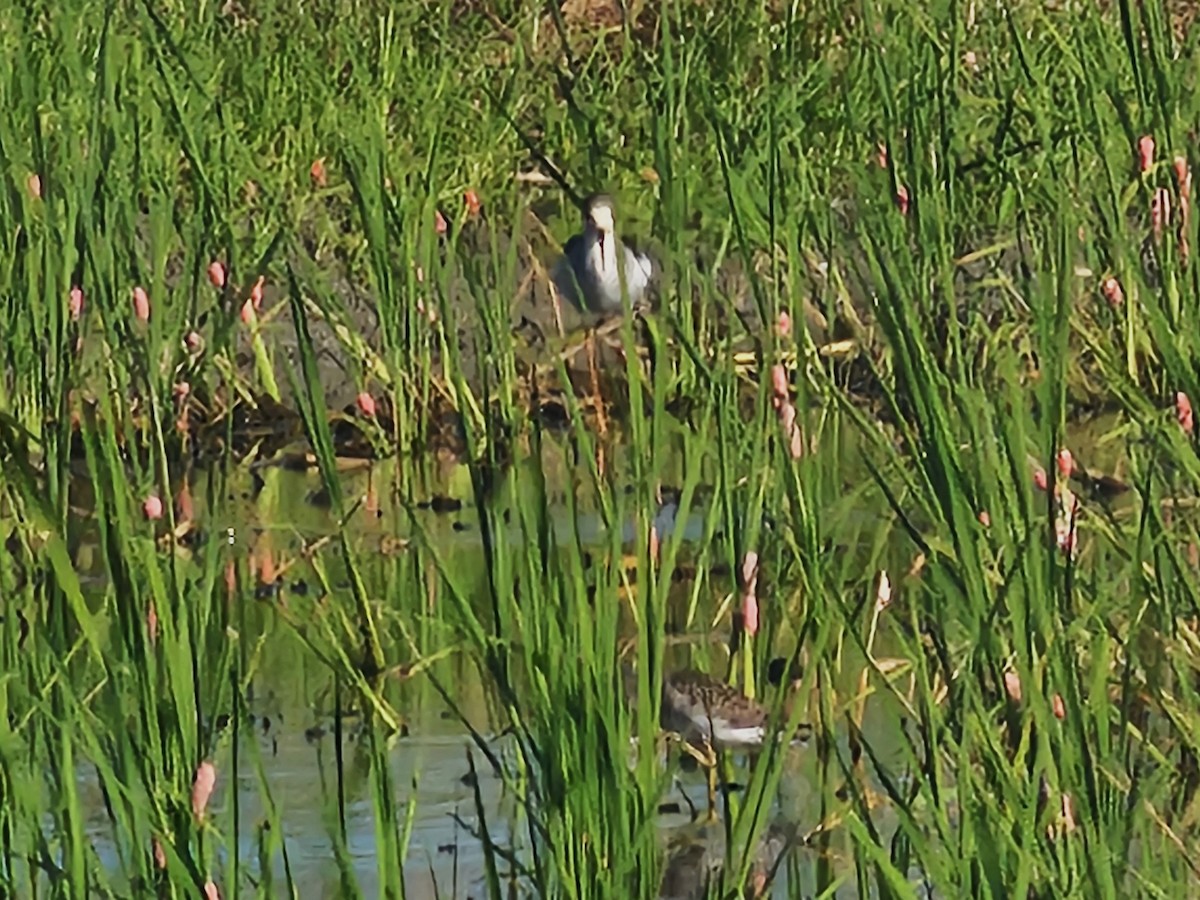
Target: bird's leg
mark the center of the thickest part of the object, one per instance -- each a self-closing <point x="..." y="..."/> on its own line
<point x="556" y="304"/>
<point x="598" y="399"/>
<point x="692" y="811"/>
<point x="707" y="759"/>
<point x="711" y="768"/>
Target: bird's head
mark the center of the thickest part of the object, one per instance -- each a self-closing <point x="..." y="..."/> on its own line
<point x="598" y="216"/>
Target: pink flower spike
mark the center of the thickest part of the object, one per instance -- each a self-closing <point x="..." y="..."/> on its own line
<point x="902" y="200"/>
<point x="784" y="328"/>
<point x="795" y="440"/>
<point x="1183" y="413"/>
<point x="141" y="304"/>
<point x="750" y="570"/>
<point x="1145" y="153"/>
<point x="750" y="614"/>
<point x="881" y="155"/>
<point x="1012" y="685"/>
<point x="471" y="199"/>
<point x="248" y="315"/>
<point x="1111" y="288"/>
<point x="193" y="342"/>
<point x="34" y="184"/>
<point x="366" y="404"/>
<point x="1040" y="480"/>
<point x="256" y="293"/>
<point x="985" y="518"/>
<point x="791" y="428"/>
<point x="1066" y="463"/>
<point x="779" y="383"/>
<point x="216" y="274"/>
<point x="439" y="222"/>
<point x="210" y="891"/>
<point x="1183" y="180"/>
<point x="750" y="592"/>
<point x="160" y="855"/>
<point x="75" y="303"/>
<point x="202" y="787"/>
<point x="152" y="507"/>
<point x="1058" y="707"/>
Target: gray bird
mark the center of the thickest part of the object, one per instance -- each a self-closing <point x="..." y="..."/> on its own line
<point x="589" y="272"/>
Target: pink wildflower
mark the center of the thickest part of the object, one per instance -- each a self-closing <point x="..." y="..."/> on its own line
<point x="1058" y="707"/>
<point x="1065" y="462"/>
<point x="202" y="787"/>
<point x="366" y="404"/>
<point x="152" y="507"/>
<point x="784" y="327"/>
<point x="791" y="429"/>
<point x="781" y="400"/>
<point x="1183" y="180"/>
<point x="750" y="592"/>
<point x="779" y="384"/>
<point x="317" y="172"/>
<point x="1145" y="153"/>
<point x="216" y="274"/>
<point x="75" y="303"/>
<point x="1040" y="479"/>
<point x="141" y="304"/>
<point x="750" y="614"/>
<point x="471" y="199"/>
<point x="902" y="200"/>
<point x="1012" y="685"/>
<point x="1111" y="288"/>
<point x="1183" y="413"/>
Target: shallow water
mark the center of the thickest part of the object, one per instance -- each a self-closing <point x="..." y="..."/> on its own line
<point x="292" y="704"/>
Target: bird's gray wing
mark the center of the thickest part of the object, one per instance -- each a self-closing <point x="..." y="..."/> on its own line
<point x="563" y="274"/>
<point x="636" y="254"/>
